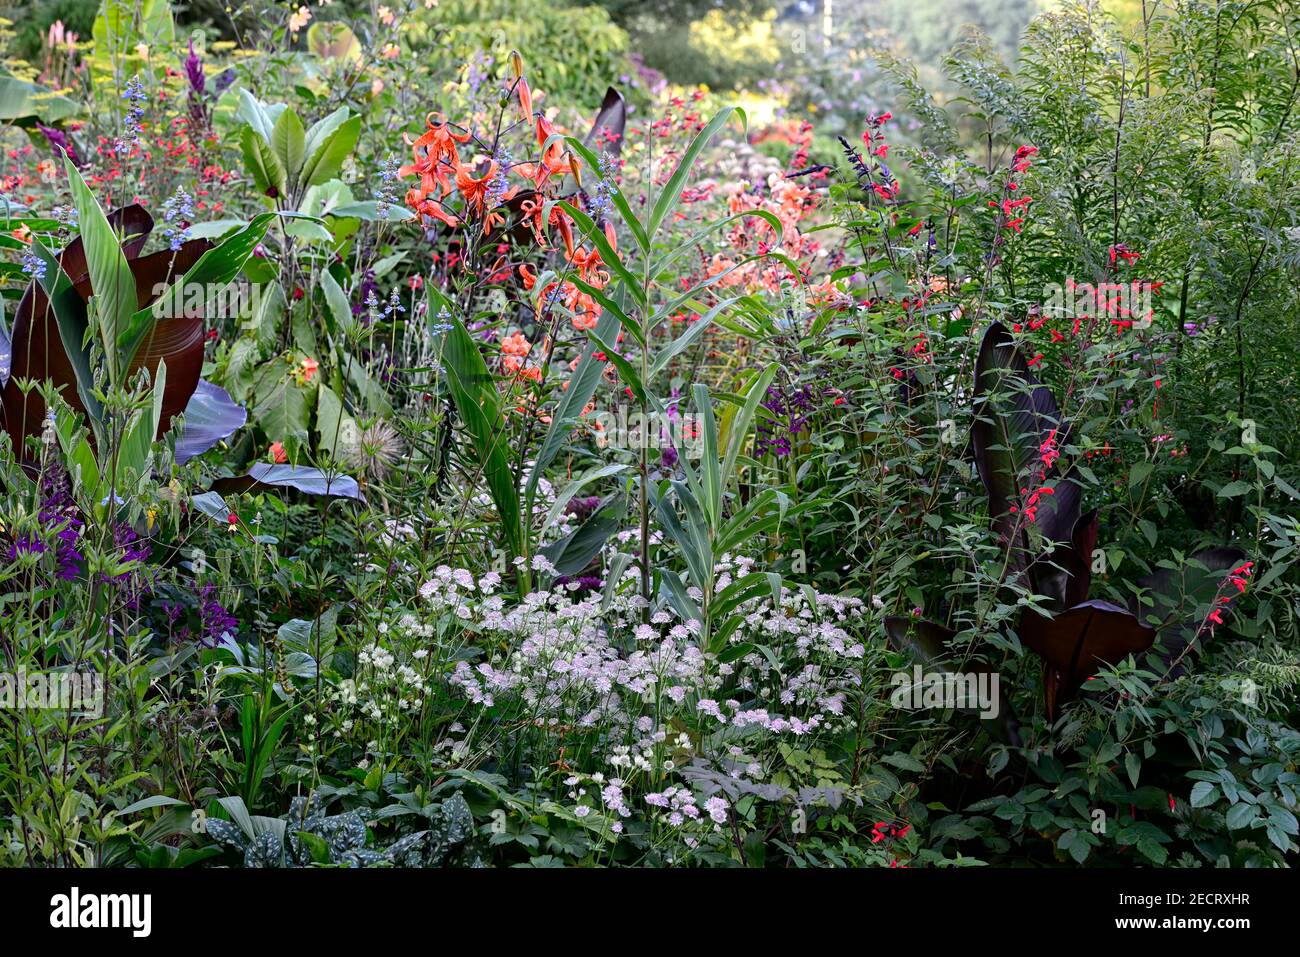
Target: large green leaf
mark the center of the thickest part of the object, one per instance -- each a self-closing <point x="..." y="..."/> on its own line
<point x="283" y="408"/>
<point x="215" y="269"/>
<point x="262" y="163"/>
<point x="26" y="102"/>
<point x="574" y="552"/>
<point x="289" y="140"/>
<point x="478" y="404"/>
<point x="327" y="149"/>
<point x="111" y="278"/>
<point x="333" y="425"/>
<point x="252" y="112"/>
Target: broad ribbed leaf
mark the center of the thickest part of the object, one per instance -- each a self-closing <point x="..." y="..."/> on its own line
<point x="327" y="153"/>
<point x="289" y="140"/>
<point x="1078" y="642"/>
<point x="1176" y="601"/>
<point x="474" y="393"/>
<point x="48" y="334"/>
<point x="110" y="274"/>
<point x="70" y="316"/>
<point x="210" y="416"/>
<point x="262" y="163"/>
<point x="1016" y="418"/>
<point x="309" y="480"/>
<point x="574" y="552"/>
<point x="220" y="265"/>
<point x="1064" y="574"/>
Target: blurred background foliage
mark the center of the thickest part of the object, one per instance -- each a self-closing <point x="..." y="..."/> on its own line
<point x="723" y="44"/>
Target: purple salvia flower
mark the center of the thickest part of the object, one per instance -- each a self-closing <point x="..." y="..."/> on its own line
<point x="59" y="141"/>
<point x="194" y="72"/>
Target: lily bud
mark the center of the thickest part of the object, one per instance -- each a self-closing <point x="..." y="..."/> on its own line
<point x="575" y="166"/>
<point x="516" y="64"/>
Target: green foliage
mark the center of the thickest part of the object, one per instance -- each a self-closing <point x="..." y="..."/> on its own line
<point x="592" y="494"/>
<point x="575" y="51"/>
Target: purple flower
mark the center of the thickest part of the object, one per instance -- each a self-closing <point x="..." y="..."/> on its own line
<point x="789" y="414"/>
<point x="194" y="72"/>
<point x="224" y="79"/>
<point x="59" y="141"/>
<point x="584" y="582"/>
<point x="366" y="292"/>
<point x="581" y="508"/>
<point x="60" y="521"/>
<point x="214" y="621"/>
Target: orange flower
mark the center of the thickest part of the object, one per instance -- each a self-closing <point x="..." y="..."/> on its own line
<point x="306" y="369"/>
<point x="530" y="215"/>
<point x="475" y="189"/>
<point x="437" y="142"/>
<point x="516" y="345"/>
<point x="517" y="369"/>
<point x="431" y="208"/>
<point x="555" y="160"/>
<point x="525" y="100"/>
<point x="432" y="153"/>
<point x="561" y="222"/>
<point x="278" y="453"/>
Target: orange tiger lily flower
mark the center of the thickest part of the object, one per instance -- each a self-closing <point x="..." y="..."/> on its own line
<point x="431" y="208"/>
<point x="555" y="161"/>
<point x="496" y="216"/>
<point x="437" y="141"/>
<point x="475" y="188"/>
<point x="525" y="100"/>
<point x="429" y="150"/>
<point x="530" y="214"/>
<point x="561" y="222"/>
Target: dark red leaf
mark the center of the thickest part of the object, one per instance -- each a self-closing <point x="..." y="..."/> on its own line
<point x="1077" y="643"/>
